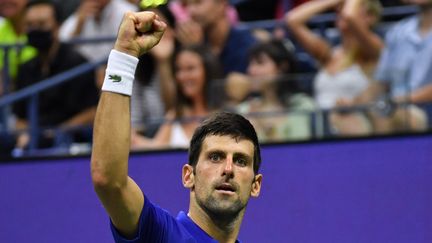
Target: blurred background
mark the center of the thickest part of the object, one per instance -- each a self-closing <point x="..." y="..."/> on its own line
<point x="339" y="91"/>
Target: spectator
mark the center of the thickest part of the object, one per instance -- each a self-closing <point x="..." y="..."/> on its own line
<point x="195" y="71"/>
<point x="95" y="19"/>
<point x="71" y="104"/>
<point x="179" y="9"/>
<point x="12" y="32"/>
<point x="405" y="71"/>
<point x="271" y="65"/>
<point x="210" y="24"/>
<point x="346" y="70"/>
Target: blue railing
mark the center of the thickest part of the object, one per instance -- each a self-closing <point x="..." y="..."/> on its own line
<point x="32" y="92"/>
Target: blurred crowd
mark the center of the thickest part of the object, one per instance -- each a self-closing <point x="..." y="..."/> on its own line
<point x="355" y="81"/>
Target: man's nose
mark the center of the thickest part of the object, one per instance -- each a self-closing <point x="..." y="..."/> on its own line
<point x="228" y="166"/>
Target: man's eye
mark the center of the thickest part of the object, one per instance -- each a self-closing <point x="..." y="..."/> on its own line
<point x="241" y="161"/>
<point x="215" y="157"/>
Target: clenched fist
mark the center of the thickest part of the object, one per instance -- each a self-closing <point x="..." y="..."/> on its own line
<point x="139" y="32"/>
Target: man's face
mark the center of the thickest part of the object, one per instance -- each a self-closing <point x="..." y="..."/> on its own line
<point x="40" y="17"/>
<point x="11" y="8"/>
<point x="224" y="179"/>
<point x="99" y="5"/>
<point x="41" y="26"/>
<point x="206" y="12"/>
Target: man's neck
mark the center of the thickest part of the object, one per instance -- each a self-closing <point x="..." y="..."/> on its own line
<point x="425" y="24"/>
<point x="224" y="231"/>
<point x="217" y="33"/>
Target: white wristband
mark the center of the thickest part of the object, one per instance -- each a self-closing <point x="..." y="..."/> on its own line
<point x="120" y="73"/>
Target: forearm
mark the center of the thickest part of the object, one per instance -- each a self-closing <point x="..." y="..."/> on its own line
<point x="303" y="13"/>
<point x="111" y="141"/>
<point x="422" y="95"/>
<point x="78" y="27"/>
<point x="167" y="86"/>
<point x="370" y="94"/>
<point x="297" y="19"/>
<point x="85" y="117"/>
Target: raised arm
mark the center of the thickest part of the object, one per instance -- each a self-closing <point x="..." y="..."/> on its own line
<point x="74" y="25"/>
<point x="359" y="24"/>
<point x="120" y="195"/>
<point x="297" y="19"/>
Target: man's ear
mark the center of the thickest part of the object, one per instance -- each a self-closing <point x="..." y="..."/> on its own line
<point x="256" y="185"/>
<point x="188" y="176"/>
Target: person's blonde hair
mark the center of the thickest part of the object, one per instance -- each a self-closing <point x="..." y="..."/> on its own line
<point x="373" y="7"/>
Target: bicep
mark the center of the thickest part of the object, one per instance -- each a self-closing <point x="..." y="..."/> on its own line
<point x="124" y="206"/>
<point x="163" y="135"/>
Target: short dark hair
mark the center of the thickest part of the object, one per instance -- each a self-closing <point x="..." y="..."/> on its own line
<point x="279" y="52"/>
<point x="224" y="124"/>
<point x="284" y="58"/>
<point x="53" y="4"/>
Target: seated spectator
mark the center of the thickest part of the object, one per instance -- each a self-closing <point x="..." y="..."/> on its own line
<point x="95" y="19"/>
<point x="67" y="105"/>
<point x="210" y="24"/>
<point x="276" y="111"/>
<point x="345" y="70"/>
<point x="195" y="70"/>
<point x="405" y="72"/>
<point x="12" y="32"/>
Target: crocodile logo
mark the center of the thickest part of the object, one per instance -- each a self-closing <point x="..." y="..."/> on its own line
<point x="115" y="78"/>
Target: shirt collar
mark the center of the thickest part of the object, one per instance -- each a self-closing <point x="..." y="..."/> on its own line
<point x="413" y="32"/>
<point x="194" y="229"/>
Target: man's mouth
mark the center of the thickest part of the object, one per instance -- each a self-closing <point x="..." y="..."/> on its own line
<point x="225" y="187"/>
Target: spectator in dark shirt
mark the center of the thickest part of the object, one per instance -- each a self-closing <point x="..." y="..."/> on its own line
<point x="70" y="104"/>
<point x="210" y="24"/>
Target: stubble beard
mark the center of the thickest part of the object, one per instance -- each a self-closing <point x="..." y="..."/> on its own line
<point x="222" y="211"/>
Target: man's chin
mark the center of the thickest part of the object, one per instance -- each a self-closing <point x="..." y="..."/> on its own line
<point x="225" y="207"/>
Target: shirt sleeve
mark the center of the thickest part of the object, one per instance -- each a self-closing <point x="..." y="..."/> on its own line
<point x="68" y="27"/>
<point x="383" y="70"/>
<point x="154" y="225"/>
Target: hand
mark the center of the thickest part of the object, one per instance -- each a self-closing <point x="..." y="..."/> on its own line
<point x="165" y="49"/>
<point x="237" y="86"/>
<point x="341" y="102"/>
<point x="139" y="32"/>
<point x="344" y="105"/>
<point x="401" y="99"/>
<point x="189" y="33"/>
<point x="87" y="9"/>
<point x="22" y="141"/>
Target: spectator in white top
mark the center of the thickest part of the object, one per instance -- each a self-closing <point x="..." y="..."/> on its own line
<point x="95" y="19"/>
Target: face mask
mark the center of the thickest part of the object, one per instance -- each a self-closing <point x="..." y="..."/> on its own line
<point x="40" y="39"/>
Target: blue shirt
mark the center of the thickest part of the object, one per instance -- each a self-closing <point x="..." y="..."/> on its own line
<point x="234" y="56"/>
<point x="406" y="61"/>
<point x="157" y="225"/>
